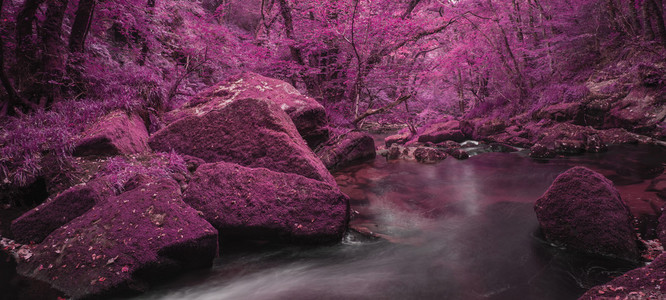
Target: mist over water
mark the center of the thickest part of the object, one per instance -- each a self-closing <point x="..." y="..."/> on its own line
<point x="457" y="230"/>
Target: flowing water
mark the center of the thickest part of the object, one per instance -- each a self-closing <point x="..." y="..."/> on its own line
<point x="452" y="230"/>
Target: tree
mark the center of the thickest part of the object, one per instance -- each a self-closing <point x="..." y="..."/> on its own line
<point x="81" y="26"/>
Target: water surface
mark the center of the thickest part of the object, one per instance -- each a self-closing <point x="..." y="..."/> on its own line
<point x="451" y="230"/>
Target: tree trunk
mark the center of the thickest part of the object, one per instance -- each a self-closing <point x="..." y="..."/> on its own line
<point x="145" y="49"/>
<point x="26" y="44"/>
<point x="53" y="59"/>
<point x="613" y="15"/>
<point x="658" y="13"/>
<point x="633" y="18"/>
<point x="81" y="25"/>
<point x="285" y="12"/>
<point x="410" y="8"/>
<point x="648" y="33"/>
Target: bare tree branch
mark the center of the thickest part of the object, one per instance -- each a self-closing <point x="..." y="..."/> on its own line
<point x="381" y="110"/>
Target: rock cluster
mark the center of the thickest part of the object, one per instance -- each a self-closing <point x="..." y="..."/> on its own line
<point x="234" y="165"/>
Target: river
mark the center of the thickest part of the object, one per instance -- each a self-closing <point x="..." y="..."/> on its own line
<point x="458" y="229"/>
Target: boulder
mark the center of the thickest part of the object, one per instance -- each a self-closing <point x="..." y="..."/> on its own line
<point x="541" y="151"/>
<point x="509" y="138"/>
<point x="308" y="115"/>
<point x="594" y="144"/>
<point x="561" y="112"/>
<point x="595" y="112"/>
<point x="400" y="152"/>
<point x="449" y="145"/>
<point x="485" y="128"/>
<point x="618" y="136"/>
<point x="648" y="282"/>
<point x="640" y="111"/>
<point x="247" y="203"/>
<point x="583" y="211"/>
<point x="567" y="138"/>
<point x="400" y="139"/>
<point x="39" y="222"/>
<point x="115" y="134"/>
<point x="440" y="132"/>
<point x="346" y="149"/>
<point x="658" y="185"/>
<point x="458" y="153"/>
<point x="570" y="147"/>
<point x="124" y="243"/>
<point x="428" y="155"/>
<point x="394" y="152"/>
<point x="250" y="132"/>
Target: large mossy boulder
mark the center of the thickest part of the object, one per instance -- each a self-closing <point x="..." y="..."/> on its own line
<point x="250" y="132"/>
<point x="307" y="114"/>
<point x="346" y="149"/>
<point x="257" y="203"/>
<point x="583" y="211"/>
<point x="114" y="134"/>
<point x="122" y="244"/>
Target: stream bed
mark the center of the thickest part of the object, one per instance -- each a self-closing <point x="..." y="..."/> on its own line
<point x="458" y="229"/>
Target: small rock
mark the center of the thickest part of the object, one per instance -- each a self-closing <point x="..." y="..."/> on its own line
<point x="428" y="155"/>
<point x="541" y="151"/>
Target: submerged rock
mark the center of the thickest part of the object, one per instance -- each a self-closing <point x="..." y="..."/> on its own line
<point x="246" y="203"/>
<point x="583" y="211"/>
<point x="308" y="115"/>
<point x="116" y="133"/>
<point x="120" y="245"/>
<point x="346" y="149"/>
<point x="250" y="132"/>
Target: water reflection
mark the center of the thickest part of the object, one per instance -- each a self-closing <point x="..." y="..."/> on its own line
<point x="459" y="230"/>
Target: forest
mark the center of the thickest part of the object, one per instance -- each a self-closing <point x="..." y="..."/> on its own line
<point x="182" y="109"/>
